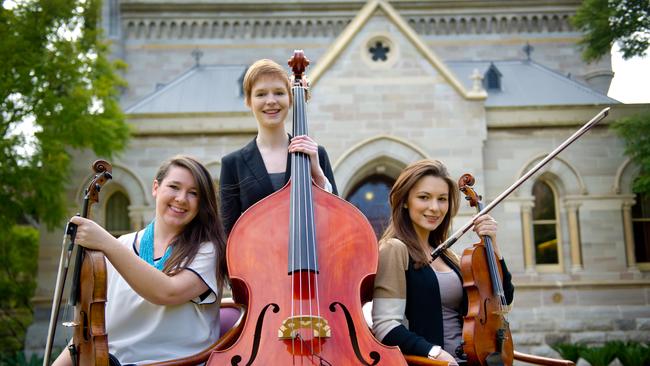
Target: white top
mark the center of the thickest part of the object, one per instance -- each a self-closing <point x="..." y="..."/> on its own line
<point x="142" y="332"/>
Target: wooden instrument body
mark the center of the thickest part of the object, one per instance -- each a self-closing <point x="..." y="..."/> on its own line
<point x="257" y="254"/>
<point x="484" y="313"/>
<point x="89" y="286"/>
<point x="90" y="335"/>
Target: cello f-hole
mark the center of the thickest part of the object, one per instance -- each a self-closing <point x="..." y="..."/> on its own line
<point x="485" y="312"/>
<point x="375" y="356"/>
<point x="235" y="360"/>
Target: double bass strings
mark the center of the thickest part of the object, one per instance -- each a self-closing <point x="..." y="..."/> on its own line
<point x="303" y="210"/>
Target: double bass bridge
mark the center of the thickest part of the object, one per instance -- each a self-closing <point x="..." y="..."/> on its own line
<point x="318" y="325"/>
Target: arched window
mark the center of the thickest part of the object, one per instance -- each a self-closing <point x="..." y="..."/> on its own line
<point x="545" y="228"/>
<point x="641" y="227"/>
<point x="371" y="197"/>
<point x="117" y="214"/>
<point x="113" y="18"/>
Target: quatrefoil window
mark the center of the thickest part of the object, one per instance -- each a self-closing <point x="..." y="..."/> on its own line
<point x="379" y="51"/>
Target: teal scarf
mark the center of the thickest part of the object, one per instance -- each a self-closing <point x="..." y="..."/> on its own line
<point x="146" y="248"/>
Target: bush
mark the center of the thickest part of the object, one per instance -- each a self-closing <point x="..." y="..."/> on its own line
<point x="20" y="359"/>
<point x="569" y="351"/>
<point x="18" y="264"/>
<point x="600" y="356"/>
<point x="634" y="354"/>
<point x="628" y="353"/>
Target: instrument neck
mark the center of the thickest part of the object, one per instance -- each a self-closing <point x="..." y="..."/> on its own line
<point x="497" y="286"/>
<point x="302" y="236"/>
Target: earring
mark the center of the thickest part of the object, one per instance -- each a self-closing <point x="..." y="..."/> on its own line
<point x="406" y="206"/>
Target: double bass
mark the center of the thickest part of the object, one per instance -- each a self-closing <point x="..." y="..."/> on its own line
<point x="302" y="261"/>
<point x="89" y="344"/>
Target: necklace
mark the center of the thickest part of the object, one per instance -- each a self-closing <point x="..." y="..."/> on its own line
<point x="146" y="248"/>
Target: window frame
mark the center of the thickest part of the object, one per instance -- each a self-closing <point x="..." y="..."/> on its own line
<point x="557" y="267"/>
<point x="643" y="266"/>
<point x="117" y="233"/>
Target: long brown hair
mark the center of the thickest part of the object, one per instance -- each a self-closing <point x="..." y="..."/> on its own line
<point x="401" y="226"/>
<point x="206" y="225"/>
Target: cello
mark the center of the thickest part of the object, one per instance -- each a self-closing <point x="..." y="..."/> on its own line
<point x="88" y="292"/>
<point x="302" y="260"/>
<point x="486" y="333"/>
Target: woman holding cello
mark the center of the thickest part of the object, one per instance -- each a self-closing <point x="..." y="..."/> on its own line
<point x="164" y="282"/>
<point x="419" y="303"/>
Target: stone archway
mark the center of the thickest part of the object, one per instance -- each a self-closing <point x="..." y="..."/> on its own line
<point x="386" y="155"/>
<point x="561" y="173"/>
<point x="126" y="181"/>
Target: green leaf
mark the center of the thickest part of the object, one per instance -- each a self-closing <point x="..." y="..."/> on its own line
<point x="55" y="71"/>
<point x="635" y="131"/>
<point x="604" y="22"/>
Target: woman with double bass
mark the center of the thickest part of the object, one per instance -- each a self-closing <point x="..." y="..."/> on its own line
<point x="263" y="166"/>
<point x="419" y="302"/>
<point x="164" y="282"/>
<point x="301" y="260"/>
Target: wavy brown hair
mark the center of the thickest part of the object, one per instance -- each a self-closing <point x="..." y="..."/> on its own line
<point x="401" y="226"/>
<point x="206" y="225"/>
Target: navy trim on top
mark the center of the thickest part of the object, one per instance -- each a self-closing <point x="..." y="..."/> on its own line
<point x="204" y="295"/>
<point x="136" y="250"/>
<point x="135" y="241"/>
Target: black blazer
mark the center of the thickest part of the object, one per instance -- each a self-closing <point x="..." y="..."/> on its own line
<point x="244" y="180"/>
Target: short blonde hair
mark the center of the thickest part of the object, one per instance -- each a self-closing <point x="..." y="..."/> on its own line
<point x="261" y="68"/>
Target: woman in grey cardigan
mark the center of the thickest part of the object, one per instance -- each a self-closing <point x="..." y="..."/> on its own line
<point x="419" y="303"/>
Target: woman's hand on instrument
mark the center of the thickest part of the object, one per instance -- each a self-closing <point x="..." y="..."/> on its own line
<point x="90" y="234"/>
<point x="447" y="357"/>
<point x="486" y="225"/>
<point x="307" y="145"/>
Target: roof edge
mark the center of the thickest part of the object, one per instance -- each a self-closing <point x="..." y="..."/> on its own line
<point x="344" y="39"/>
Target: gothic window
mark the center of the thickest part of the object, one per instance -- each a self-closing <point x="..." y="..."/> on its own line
<point x="240" y="82"/>
<point x="371" y="197"/>
<point x="492" y="78"/>
<point x="379" y="51"/>
<point x="545" y="225"/>
<point x="113" y="17"/>
<point x="641" y="227"/>
<point x="117" y="214"/>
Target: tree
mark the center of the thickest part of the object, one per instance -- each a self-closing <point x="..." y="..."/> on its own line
<point x="635" y="131"/>
<point x="607" y="21"/>
<point x="57" y="82"/>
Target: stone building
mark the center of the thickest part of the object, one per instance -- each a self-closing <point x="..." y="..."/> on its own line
<point x="489" y="88"/>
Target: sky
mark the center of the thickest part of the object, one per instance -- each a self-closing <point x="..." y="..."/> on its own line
<point x="631" y="83"/>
